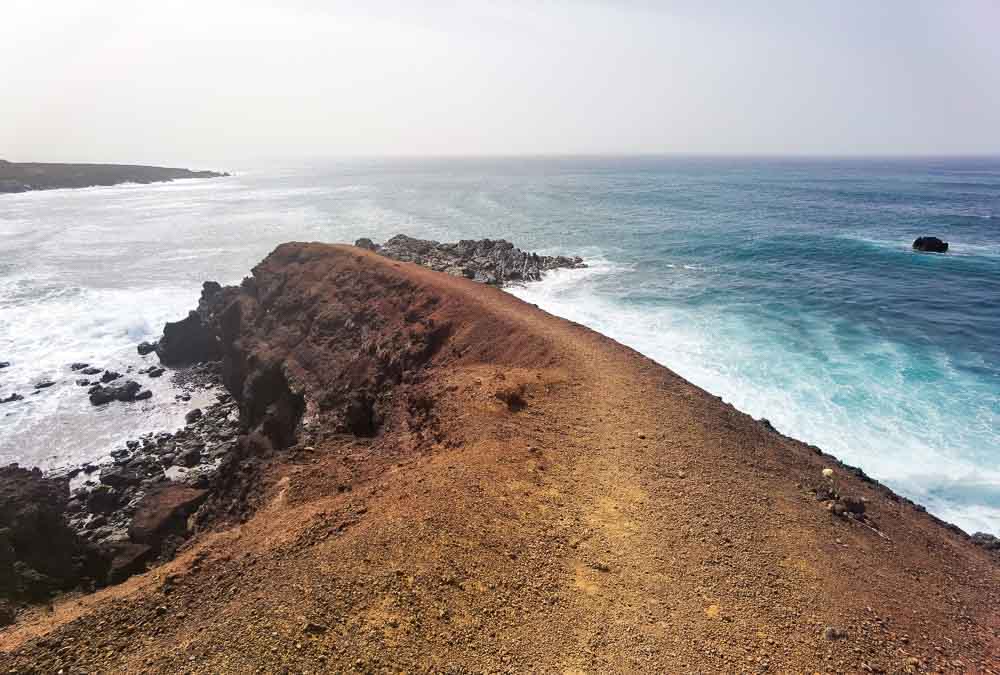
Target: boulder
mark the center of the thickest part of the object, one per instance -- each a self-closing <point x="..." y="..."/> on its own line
<point x="129" y="558"/>
<point x="987" y="541"/>
<point x="44" y="384"/>
<point x="4" y="364"/>
<point x="190" y="456"/>
<point x="78" y="366"/>
<point x="930" y="245"/>
<point x="123" y="391"/>
<point x="119" y="477"/>
<point x="188" y="341"/>
<point x="110" y="376"/>
<point x="366" y="243"/>
<point x="102" y="499"/>
<point x="13" y="397"/>
<point x="146" y="348"/>
<point x="164" y="512"/>
<point x="193" y="416"/>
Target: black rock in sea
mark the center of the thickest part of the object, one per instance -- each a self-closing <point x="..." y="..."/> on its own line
<point x="124" y="391"/>
<point x="930" y="245"/>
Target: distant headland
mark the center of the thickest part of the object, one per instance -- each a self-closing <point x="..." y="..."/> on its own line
<point x="24" y="177"/>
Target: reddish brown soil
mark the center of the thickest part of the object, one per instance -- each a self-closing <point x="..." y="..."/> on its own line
<point x="536" y="498"/>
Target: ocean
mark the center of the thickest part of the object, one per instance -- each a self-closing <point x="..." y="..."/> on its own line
<point x="786" y="286"/>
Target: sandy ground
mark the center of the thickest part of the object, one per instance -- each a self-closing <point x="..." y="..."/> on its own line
<point x="576" y="508"/>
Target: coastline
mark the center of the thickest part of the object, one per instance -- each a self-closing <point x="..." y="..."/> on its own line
<point x="422" y="429"/>
<point x="19" y="177"/>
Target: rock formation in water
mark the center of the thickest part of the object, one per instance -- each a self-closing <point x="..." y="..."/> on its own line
<point x="496" y="262"/>
<point x="930" y="245"/>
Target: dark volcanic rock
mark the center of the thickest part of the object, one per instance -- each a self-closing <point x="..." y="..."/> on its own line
<point x="196" y="339"/>
<point x="987" y="541"/>
<point x="44" y="384"/>
<point x="146" y="348"/>
<point x="110" y="376"/>
<point x="930" y="245"/>
<point x="120" y="476"/>
<point x="13" y="397"/>
<point x="78" y="366"/>
<point x="187" y="341"/>
<point x="123" y="391"/>
<point x="489" y="261"/>
<point x="193" y="415"/>
<point x="143" y="395"/>
<point x="190" y="457"/>
<point x="91" y="371"/>
<point x="4" y="364"/>
<point x="39" y="553"/>
<point x="102" y="499"/>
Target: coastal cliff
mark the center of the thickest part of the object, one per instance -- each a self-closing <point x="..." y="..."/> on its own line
<point x="432" y="475"/>
<point x="27" y="176"/>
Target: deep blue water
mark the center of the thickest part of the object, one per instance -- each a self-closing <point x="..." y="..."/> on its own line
<point x="788" y="287"/>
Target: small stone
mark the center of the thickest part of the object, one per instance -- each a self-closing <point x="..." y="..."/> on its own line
<point x="44" y="384"/>
<point x="143" y="395"/>
<point x="78" y="366"/>
<point x="193" y="416"/>
<point x="831" y="633"/>
<point x="110" y="376"/>
<point x="313" y="628"/>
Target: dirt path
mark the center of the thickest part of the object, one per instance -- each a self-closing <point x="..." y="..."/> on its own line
<point x="580" y="510"/>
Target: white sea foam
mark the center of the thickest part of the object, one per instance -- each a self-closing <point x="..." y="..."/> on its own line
<point x="827" y="395"/>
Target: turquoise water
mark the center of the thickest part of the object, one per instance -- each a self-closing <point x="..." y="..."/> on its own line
<point x="786" y="287"/>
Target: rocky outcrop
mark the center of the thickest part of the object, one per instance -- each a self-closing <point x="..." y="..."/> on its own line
<point x="187" y="341"/>
<point x="39" y="552"/>
<point x="497" y="262"/>
<point x="194" y="339"/>
<point x="930" y="245"/>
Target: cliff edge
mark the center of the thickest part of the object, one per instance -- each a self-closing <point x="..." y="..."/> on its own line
<point x="434" y="476"/>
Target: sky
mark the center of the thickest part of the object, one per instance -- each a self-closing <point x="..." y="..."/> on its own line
<point x="188" y="80"/>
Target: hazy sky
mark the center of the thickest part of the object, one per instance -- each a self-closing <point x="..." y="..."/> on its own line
<point x="186" y="80"/>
